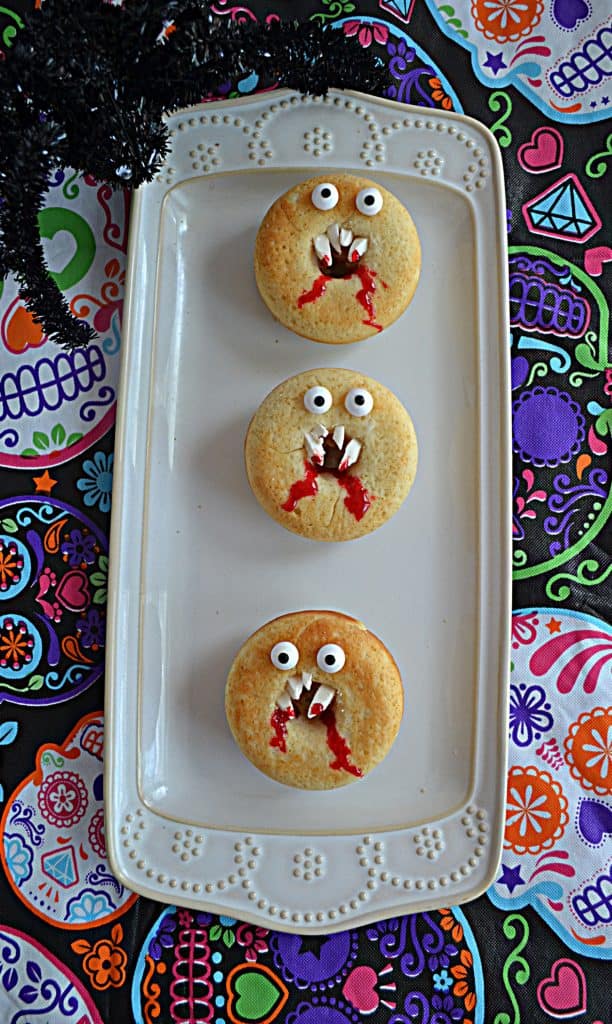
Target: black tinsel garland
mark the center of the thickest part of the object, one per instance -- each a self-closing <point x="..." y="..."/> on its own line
<point x="86" y="85"/>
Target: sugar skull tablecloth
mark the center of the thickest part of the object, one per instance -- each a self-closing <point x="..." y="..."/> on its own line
<point x="75" y="945"/>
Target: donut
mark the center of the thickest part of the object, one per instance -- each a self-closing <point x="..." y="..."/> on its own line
<point x="331" y="454"/>
<point x="337" y="258"/>
<point x="314" y="700"/>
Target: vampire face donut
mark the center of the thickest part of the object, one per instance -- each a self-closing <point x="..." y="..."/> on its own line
<point x="337" y="258"/>
<point x="326" y="715"/>
<point x="331" y="454"/>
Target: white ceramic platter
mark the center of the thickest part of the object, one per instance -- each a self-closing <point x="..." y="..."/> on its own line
<point x="197" y="565"/>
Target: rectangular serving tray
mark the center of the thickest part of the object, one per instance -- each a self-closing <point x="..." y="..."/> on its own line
<point x="196" y="565"/>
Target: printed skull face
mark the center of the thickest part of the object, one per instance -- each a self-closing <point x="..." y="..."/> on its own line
<point x="331" y="454"/>
<point x="337" y="259"/>
<point x="314" y="700"/>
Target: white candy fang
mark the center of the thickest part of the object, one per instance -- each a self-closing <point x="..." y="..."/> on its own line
<point x="351" y="454"/>
<point x="333" y="233"/>
<point x="321" y="700"/>
<point x="314" y="450"/>
<point x="295" y="687"/>
<point x="284" y="703"/>
<point x="338" y="436"/>
<point x="346" y="236"/>
<point x="319" y="432"/>
<point x="357" y="249"/>
<point x="323" y="249"/>
<point x="307" y="680"/>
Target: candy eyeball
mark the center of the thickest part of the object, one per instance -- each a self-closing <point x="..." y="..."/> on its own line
<point x="318" y="399"/>
<point x="284" y="655"/>
<point x="331" y="658"/>
<point x="358" y="402"/>
<point x="325" y="196"/>
<point x="369" y="201"/>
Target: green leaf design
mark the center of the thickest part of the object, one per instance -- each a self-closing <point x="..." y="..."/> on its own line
<point x="58" y="434"/>
<point x="9" y="525"/>
<point x="99" y="577"/>
<point x="228" y="938"/>
<point x="99" y="580"/>
<point x="36" y="683"/>
<point x="215" y="932"/>
<point x="40" y="440"/>
<point x="72" y="439"/>
<point x="29" y="453"/>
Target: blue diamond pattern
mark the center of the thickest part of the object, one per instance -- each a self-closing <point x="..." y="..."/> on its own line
<point x="61" y="867"/>
<point x="401" y="8"/>
<point x="563" y="210"/>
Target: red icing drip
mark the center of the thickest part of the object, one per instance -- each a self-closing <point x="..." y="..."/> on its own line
<point x="357" y="499"/>
<point x="305" y="488"/>
<point x="278" y="722"/>
<point x="317" y="290"/>
<point x="338" y="746"/>
<point x="365" y="293"/>
<point x="363" y="296"/>
<point x="315" y="710"/>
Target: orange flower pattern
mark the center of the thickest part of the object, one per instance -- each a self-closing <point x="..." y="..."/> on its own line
<point x="588" y="750"/>
<point x="536" y="813"/>
<point x="506" y="20"/>
<point x="105" y="961"/>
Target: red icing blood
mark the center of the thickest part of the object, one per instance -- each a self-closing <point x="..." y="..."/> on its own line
<point x="363" y="296"/>
<point x="317" y="290"/>
<point x="357" y="499"/>
<point x="315" y="710"/>
<point x="305" y="488"/>
<point x="278" y="722"/>
<point x="365" y="293"/>
<point x="338" y="746"/>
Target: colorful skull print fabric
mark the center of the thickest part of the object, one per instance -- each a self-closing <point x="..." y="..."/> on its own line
<point x="75" y="945"/>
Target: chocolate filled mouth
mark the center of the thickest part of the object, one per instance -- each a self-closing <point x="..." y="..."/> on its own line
<point x="304" y="695"/>
<point x="338" y="251"/>
<point x="331" y="451"/>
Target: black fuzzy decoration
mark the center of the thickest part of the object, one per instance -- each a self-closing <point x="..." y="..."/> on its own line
<point x="86" y="85"/>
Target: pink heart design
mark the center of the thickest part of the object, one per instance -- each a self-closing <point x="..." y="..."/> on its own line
<point x="544" y="151"/>
<point x="73" y="591"/>
<point x="594" y="259"/>
<point x="360" y="989"/>
<point x="563" y="993"/>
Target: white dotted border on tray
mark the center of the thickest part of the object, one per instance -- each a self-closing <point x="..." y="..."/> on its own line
<point x="307" y="864"/>
<point x="317" y="141"/>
